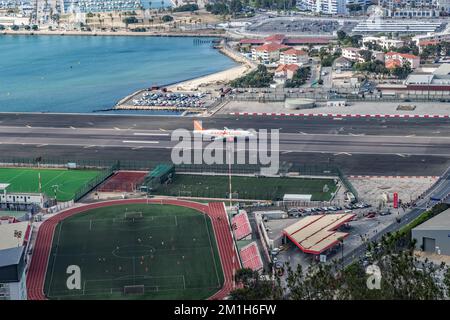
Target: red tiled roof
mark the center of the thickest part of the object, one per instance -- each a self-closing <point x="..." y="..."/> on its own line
<point x="428" y="42"/>
<point x="392" y="63"/>
<point x="275" y="37"/>
<point x="307" y="40"/>
<point x="251" y="41"/>
<point x="251" y="259"/>
<point x="403" y="55"/>
<point x="270" y="47"/>
<point x="295" y="52"/>
<point x="285" y="67"/>
<point x="241" y="225"/>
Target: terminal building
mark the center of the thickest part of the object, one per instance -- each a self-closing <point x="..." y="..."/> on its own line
<point x="14" y="245"/>
<point x="379" y="25"/>
<point x="433" y="236"/>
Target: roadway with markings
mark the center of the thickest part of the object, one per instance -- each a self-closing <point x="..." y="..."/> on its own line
<point x="358" y="146"/>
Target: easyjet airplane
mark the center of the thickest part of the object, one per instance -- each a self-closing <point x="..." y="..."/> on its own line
<point x="224" y="134"/>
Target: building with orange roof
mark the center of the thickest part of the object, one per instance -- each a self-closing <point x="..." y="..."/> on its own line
<point x="393" y="59"/>
<point x="268" y="52"/>
<point x="294" y="56"/>
<point x="285" y="72"/>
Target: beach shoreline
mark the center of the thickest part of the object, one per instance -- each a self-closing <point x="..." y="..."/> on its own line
<point x="109" y="33"/>
<point x="205" y="82"/>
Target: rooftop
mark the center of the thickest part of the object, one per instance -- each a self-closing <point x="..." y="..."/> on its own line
<point x="439" y="222"/>
<point x="10" y="256"/>
<point x="13" y="235"/>
<point x="295" y="52"/>
<point x="270" y="47"/>
<point x="403" y="55"/>
<point x="442" y="70"/>
<point x="285" y="67"/>
<point x="315" y="234"/>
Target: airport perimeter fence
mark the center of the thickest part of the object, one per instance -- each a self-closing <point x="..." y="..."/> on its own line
<point x="348" y="184"/>
<point x="321" y="96"/>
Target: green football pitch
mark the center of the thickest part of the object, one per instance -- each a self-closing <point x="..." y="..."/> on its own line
<point x="261" y="188"/>
<point x="169" y="252"/>
<point x="66" y="182"/>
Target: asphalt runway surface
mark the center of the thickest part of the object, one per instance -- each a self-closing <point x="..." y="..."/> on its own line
<point x="357" y="146"/>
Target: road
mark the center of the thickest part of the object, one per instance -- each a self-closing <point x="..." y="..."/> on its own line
<point x="440" y="190"/>
<point x="358" y="146"/>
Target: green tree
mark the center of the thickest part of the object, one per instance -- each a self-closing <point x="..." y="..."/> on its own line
<point x="167" y="18"/>
<point x="299" y="78"/>
<point x="255" y="287"/>
<point x="259" y="78"/>
<point x="403" y="71"/>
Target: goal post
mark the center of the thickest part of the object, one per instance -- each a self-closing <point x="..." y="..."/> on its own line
<point x="133" y="215"/>
<point x="135" y="289"/>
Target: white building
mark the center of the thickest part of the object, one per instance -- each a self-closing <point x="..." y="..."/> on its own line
<point x="383" y="42"/>
<point x="351" y="53"/>
<point x="11" y="199"/>
<point x="14" y="242"/>
<point x="268" y="52"/>
<point x="409" y="26"/>
<point x="294" y="56"/>
<point x="330" y="6"/>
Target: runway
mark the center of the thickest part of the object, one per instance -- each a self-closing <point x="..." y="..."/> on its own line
<point x="358" y="146"/>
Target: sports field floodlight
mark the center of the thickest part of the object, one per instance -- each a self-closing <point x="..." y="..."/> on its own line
<point x="55" y="189"/>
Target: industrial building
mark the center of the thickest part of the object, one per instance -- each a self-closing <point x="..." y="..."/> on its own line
<point x="433" y="236"/>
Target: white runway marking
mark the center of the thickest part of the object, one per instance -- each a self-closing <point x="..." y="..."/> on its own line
<point x="150" y="134"/>
<point x="137" y="141"/>
<point x="342" y="153"/>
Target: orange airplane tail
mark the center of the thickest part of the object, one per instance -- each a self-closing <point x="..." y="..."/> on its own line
<point x="198" y="125"/>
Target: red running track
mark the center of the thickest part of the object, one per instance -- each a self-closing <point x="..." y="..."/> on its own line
<point x="216" y="211"/>
<point x="123" y="181"/>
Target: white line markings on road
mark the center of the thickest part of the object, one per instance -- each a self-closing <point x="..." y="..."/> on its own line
<point x="115" y="128"/>
<point x="28" y="126"/>
<point x="342" y="153"/>
<point x="89" y="146"/>
<point x="72" y="127"/>
<point x="136" y="148"/>
<point x="137" y="141"/>
<point x="42" y="145"/>
<point x="401" y="155"/>
<point x="163" y="130"/>
<point x="150" y="134"/>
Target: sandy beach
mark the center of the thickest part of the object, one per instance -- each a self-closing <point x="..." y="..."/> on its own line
<point x="218" y="78"/>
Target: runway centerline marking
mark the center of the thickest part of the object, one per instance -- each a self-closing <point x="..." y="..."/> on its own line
<point x="150" y="134"/>
<point x="137" y="141"/>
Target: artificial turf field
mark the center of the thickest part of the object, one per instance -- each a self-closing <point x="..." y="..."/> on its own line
<point x="262" y="188"/>
<point x="170" y="250"/>
<point x="27" y="180"/>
